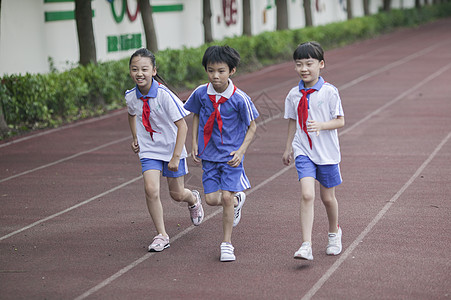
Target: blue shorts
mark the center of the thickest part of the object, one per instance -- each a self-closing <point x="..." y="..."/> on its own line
<point x="221" y="176"/>
<point x="328" y="175"/>
<point x="155" y="164"/>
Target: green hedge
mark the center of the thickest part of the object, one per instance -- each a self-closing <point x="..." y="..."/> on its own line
<point x="48" y="100"/>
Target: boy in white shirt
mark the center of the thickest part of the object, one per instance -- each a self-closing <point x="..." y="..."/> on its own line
<point x="314" y="113"/>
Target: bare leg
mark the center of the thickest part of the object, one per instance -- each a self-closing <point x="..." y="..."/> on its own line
<point x="214" y="199"/>
<point x="331" y="204"/>
<point x="227" y="215"/>
<point x="178" y="191"/>
<point x="152" y="189"/>
<point x="307" y="207"/>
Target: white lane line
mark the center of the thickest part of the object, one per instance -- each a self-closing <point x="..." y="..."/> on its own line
<point x="373" y="222"/>
<point x="390" y="66"/>
<point x="70" y="208"/>
<point x="76" y="124"/>
<point x="64" y="159"/>
<point x="401" y="96"/>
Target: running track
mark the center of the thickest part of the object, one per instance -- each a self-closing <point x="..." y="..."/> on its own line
<point x="74" y="223"/>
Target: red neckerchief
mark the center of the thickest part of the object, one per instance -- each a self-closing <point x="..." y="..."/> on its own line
<point x="303" y="113"/>
<point x="215" y="115"/>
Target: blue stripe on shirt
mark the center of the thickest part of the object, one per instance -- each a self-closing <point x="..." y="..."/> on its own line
<point x="177" y="104"/>
<point x="247" y="101"/>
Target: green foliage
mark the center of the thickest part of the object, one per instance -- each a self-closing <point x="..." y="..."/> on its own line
<point x="246" y="46"/>
<point x="181" y="68"/>
<point x="47" y="100"/>
<point x="273" y="46"/>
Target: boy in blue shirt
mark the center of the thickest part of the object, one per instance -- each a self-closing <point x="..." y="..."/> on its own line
<point x="223" y="128"/>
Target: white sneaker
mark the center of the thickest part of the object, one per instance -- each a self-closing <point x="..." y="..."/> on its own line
<point x="334" y="247"/>
<point x="305" y="252"/>
<point x="227" y="252"/>
<point x="196" y="211"/>
<point x="237" y="209"/>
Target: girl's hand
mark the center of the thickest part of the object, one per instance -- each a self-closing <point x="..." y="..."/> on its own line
<point x="313" y="126"/>
<point x="194" y="153"/>
<point x="287" y="157"/>
<point x="173" y="164"/>
<point x="236" y="159"/>
<point x="135" y="147"/>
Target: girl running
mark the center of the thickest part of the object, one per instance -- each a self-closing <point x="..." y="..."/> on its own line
<point x="156" y="119"/>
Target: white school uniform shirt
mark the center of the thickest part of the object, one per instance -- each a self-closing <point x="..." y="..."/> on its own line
<point x="165" y="109"/>
<point x="324" y="105"/>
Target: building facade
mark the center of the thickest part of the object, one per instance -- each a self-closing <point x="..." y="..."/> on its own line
<point x="37" y="35"/>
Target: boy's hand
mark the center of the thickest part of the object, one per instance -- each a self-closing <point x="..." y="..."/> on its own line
<point x="173" y="164"/>
<point x="135" y="147"/>
<point x="194" y="153"/>
<point x="287" y="157"/>
<point x="313" y="126"/>
<point x="236" y="159"/>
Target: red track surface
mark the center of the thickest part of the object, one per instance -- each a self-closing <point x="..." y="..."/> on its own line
<point x="74" y="223"/>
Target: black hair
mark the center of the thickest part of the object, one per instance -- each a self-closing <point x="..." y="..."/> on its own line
<point x="221" y="54"/>
<point x="143" y="52"/>
<point x="309" y="50"/>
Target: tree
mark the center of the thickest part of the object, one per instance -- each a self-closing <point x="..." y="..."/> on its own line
<point x="366" y="7"/>
<point x="308" y="13"/>
<point x="247" y="27"/>
<point x="282" y="14"/>
<point x="387" y="5"/>
<point x="149" y="28"/>
<point x="349" y="9"/>
<point x="86" y="41"/>
<point x="206" y="8"/>
<point x="3" y="126"/>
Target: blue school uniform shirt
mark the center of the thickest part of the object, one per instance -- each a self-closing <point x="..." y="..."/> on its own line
<point x="237" y="113"/>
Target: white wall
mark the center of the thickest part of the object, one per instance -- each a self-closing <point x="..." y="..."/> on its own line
<point x="27" y="40"/>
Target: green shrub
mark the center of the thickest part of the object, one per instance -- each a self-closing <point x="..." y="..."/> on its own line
<point x="176" y="66"/>
<point x="273" y="46"/>
<point x="246" y="46"/>
<point x="22" y="100"/>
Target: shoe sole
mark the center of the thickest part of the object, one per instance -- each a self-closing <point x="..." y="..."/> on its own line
<point x="154" y="250"/>
<point x="302" y="258"/>
<point x="227" y="259"/>
<point x="333" y="254"/>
